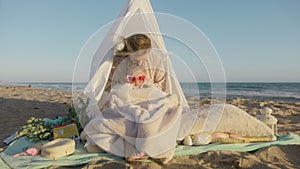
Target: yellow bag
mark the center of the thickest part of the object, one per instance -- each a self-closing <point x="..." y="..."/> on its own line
<point x="66" y="131"/>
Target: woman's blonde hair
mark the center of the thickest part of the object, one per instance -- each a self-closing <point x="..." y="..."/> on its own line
<point x="133" y="44"/>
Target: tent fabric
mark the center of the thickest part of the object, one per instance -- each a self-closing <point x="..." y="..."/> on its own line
<point x="82" y="157"/>
<point x="136" y="17"/>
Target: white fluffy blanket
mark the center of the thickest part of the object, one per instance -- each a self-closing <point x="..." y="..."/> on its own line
<point x="137" y="120"/>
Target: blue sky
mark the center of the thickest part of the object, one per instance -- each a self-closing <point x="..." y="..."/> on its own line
<point x="258" y="41"/>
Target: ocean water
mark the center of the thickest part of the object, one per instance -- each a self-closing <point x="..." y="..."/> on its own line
<point x="287" y="92"/>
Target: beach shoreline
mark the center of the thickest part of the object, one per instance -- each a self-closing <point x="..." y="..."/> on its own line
<point x="17" y="104"/>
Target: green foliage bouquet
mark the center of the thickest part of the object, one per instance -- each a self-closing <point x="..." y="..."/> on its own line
<point x="36" y="129"/>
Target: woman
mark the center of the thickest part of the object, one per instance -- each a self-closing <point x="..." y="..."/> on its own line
<point x="133" y="127"/>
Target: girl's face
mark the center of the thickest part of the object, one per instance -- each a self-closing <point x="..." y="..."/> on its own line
<point x="139" y="57"/>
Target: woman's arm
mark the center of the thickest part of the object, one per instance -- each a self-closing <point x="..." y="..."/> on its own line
<point x="160" y="79"/>
<point x="160" y="74"/>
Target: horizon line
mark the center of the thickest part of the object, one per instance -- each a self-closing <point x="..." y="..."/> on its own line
<point x="29" y="82"/>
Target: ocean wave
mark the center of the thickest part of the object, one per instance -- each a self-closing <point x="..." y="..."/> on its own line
<point x="264" y="94"/>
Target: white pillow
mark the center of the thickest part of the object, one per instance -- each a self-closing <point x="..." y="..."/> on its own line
<point x="233" y="120"/>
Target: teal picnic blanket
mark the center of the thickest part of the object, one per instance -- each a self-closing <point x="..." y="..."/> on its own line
<point x="82" y="157"/>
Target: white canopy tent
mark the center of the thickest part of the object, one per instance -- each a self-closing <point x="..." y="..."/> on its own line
<point x="137" y="16"/>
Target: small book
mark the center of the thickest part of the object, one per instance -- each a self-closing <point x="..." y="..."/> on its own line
<point x="66" y="131"/>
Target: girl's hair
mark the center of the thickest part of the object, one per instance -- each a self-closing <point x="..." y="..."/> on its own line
<point x="133" y="44"/>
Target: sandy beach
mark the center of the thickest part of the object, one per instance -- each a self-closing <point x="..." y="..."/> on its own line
<point x="17" y="104"/>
